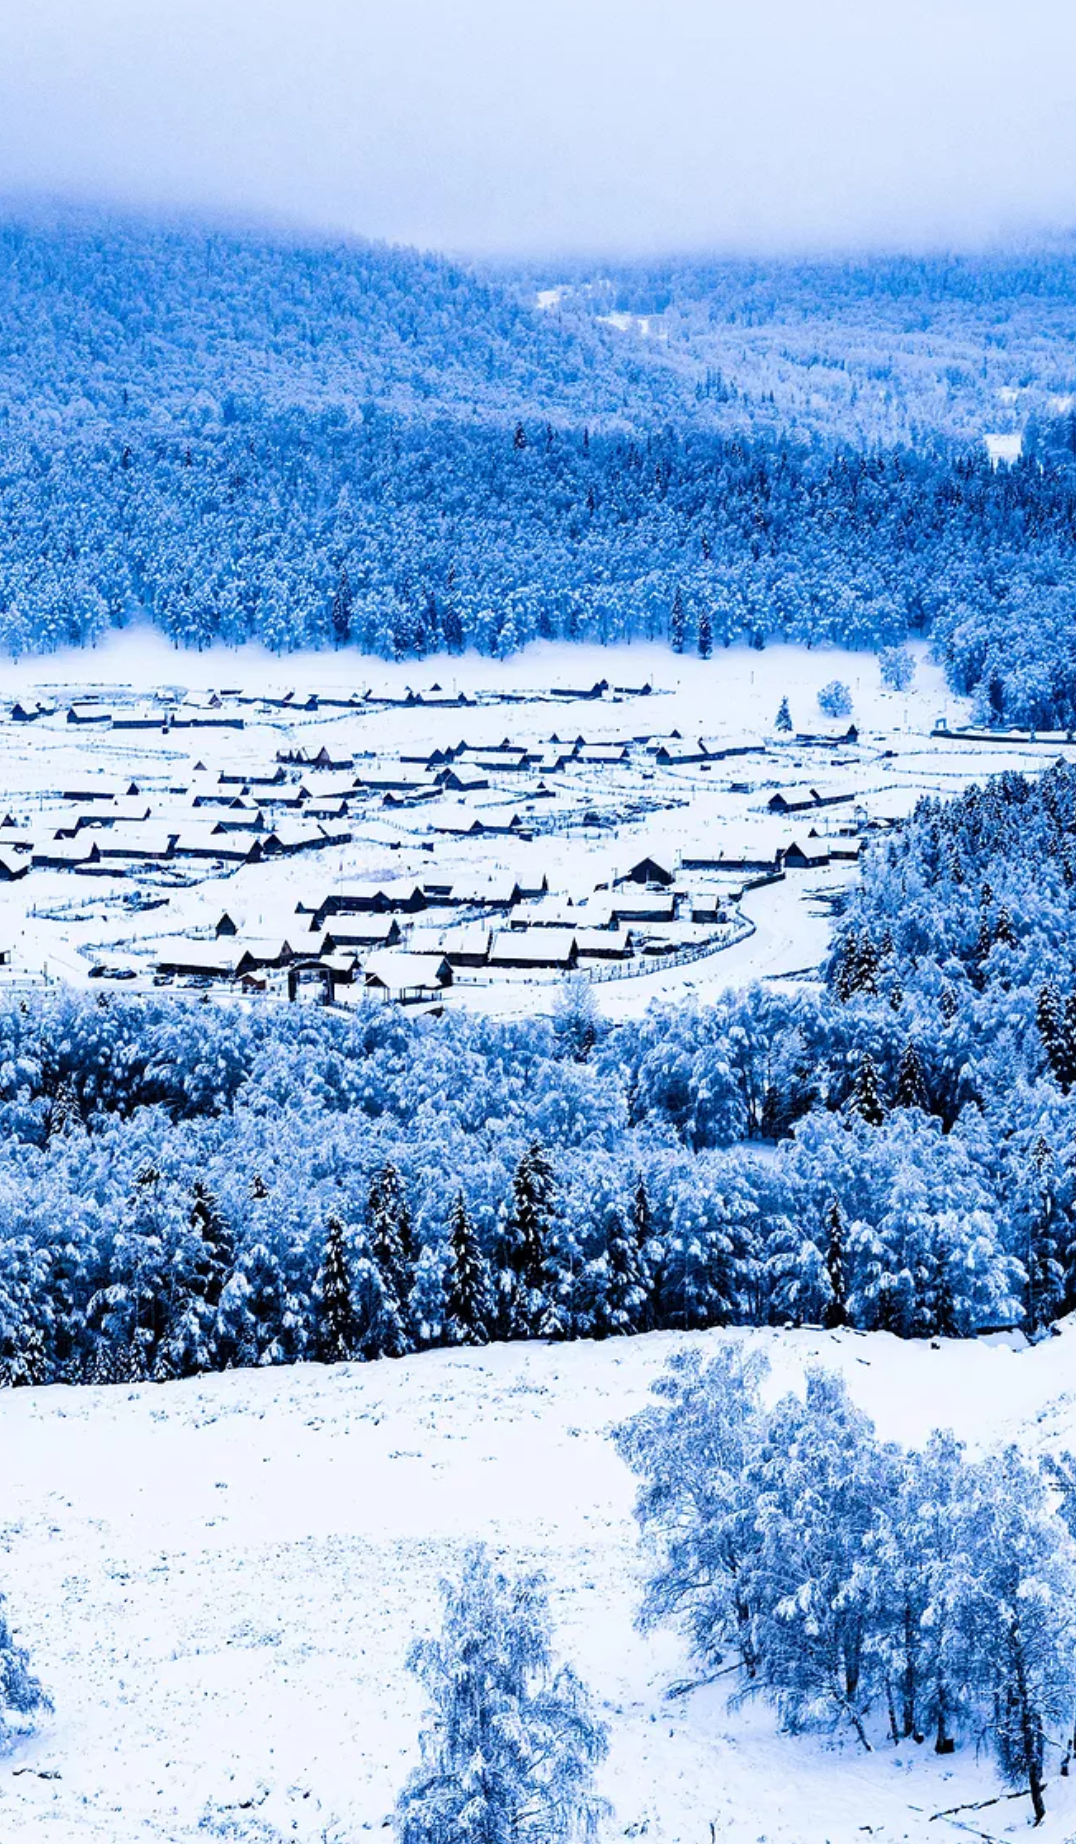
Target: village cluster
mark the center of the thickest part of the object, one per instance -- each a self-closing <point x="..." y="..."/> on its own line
<point x="414" y="847"/>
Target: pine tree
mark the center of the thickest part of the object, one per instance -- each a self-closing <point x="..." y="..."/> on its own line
<point x="525" y="1244"/>
<point x="512" y="1742"/>
<point x="836" y="1309"/>
<point x="341" y="608"/>
<point x="1045" y="1273"/>
<point x="783" y="720"/>
<point x="706" y="634"/>
<point x="469" y="1304"/>
<point x="391" y="1236"/>
<point x="624" y="1292"/>
<point x="677" y="622"/>
<point x="21" y="1694"/>
<point x="865" y="1100"/>
<point x="65" y="1114"/>
<point x="216" y="1245"/>
<point x="648" y="1249"/>
<point x="911" y="1090"/>
<point x="1056" y="1020"/>
<point x="336" y="1329"/>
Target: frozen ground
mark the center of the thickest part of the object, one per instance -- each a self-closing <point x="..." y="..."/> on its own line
<point x="60" y="922"/>
<point x="220" y="1579"/>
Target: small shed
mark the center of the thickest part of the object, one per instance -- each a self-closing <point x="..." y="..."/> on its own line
<point x="407" y="979"/>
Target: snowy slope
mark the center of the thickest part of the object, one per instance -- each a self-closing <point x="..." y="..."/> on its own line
<point x="219" y="1580"/>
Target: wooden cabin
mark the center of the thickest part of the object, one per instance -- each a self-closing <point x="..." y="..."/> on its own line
<point x="537" y="949"/>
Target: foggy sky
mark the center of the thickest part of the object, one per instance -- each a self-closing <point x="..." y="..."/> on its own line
<point x="556" y="125"/>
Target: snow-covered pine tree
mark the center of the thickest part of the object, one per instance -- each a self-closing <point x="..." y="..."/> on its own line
<point x="65" y="1114"/>
<point x="391" y="1233"/>
<point x="648" y="1248"/>
<point x="1042" y="1259"/>
<point x="335" y="1336"/>
<point x="865" y="1100"/>
<point x="911" y="1089"/>
<point x="623" y="1294"/>
<point x="677" y="622"/>
<point x="522" y="1281"/>
<point x="835" y="1311"/>
<point x="381" y="1328"/>
<point x="21" y="1694"/>
<point x="469" y="1302"/>
<point x="391" y="1248"/>
<point x="203" y="1259"/>
<point x="783" y="720"/>
<point x="706" y="634"/>
<point x="1056" y="1019"/>
<point x="512" y="1742"/>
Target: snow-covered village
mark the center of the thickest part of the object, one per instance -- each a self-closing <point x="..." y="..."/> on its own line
<point x="537" y="901"/>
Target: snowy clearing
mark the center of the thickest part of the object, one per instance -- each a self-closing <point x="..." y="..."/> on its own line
<point x="219" y="1580"/>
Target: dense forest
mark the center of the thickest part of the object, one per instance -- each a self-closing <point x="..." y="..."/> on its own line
<point x="322" y="446"/>
<point x="187" y="1188"/>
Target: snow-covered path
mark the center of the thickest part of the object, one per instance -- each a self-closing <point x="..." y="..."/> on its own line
<point x="219" y="1580"/>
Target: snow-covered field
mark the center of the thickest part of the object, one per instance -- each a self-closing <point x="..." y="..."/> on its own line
<point x="219" y="1580"/>
<point x="63" y="922"/>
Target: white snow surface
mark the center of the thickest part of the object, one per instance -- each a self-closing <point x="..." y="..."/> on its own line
<point x="219" y="1580"/>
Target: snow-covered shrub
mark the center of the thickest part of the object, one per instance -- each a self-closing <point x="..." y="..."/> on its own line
<point x="21" y="1695"/>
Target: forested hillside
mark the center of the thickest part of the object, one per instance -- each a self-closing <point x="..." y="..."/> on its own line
<point x="869" y="349"/>
<point x="311" y="446"/>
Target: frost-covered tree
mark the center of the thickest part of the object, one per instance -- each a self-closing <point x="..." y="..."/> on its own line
<point x="924" y="1571"/>
<point x="1019" y="1619"/>
<point x="691" y="1448"/>
<point x="819" y="1477"/>
<point x="783" y="720"/>
<point x="512" y="1741"/>
<point x="576" y="1018"/>
<point x="835" y="699"/>
<point x="897" y="668"/>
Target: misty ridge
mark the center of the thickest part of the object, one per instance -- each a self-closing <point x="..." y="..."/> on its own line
<point x="311" y="443"/>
